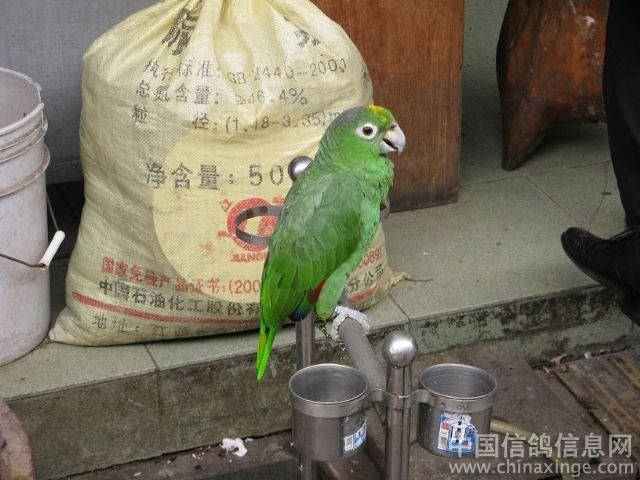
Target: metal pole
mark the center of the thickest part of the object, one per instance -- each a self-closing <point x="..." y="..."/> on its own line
<point x="305" y="356"/>
<point x="306" y="341"/>
<point x="363" y="358"/>
<point x="305" y="336"/>
<point x="399" y="350"/>
<point x="361" y="353"/>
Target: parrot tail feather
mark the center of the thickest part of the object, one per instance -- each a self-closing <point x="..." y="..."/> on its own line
<point x="265" y="341"/>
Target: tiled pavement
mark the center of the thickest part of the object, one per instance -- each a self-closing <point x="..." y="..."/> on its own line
<point x="487" y="268"/>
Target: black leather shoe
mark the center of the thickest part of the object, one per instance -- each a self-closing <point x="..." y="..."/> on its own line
<point x="614" y="262"/>
<point x="633" y="223"/>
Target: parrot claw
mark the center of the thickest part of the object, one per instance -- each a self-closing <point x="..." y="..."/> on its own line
<point x="341" y="314"/>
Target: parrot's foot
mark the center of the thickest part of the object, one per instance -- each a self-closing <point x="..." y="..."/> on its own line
<point x="341" y="314"/>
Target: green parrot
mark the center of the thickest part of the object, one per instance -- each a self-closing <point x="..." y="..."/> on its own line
<point x="328" y="221"/>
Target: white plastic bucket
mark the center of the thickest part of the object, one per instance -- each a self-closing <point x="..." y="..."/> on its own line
<point x="24" y="279"/>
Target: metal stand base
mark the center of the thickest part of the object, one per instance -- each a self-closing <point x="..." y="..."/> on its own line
<point x="399" y="350"/>
<point x="305" y="356"/>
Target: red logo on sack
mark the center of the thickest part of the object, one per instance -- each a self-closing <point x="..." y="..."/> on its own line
<point x="265" y="228"/>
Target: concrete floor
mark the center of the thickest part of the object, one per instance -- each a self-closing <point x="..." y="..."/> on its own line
<point x="487" y="267"/>
<point x="556" y="401"/>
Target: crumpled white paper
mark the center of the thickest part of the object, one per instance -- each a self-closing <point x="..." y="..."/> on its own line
<point x="234" y="446"/>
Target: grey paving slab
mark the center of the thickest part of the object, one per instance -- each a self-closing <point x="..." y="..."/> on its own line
<point x="266" y="458"/>
<point x="602" y="331"/>
<point x="483" y="20"/>
<point x="435" y="334"/>
<point x="569" y="145"/>
<point x="187" y="352"/>
<point x="282" y="471"/>
<point x="201" y="404"/>
<point x="564" y="145"/>
<point x="589" y="194"/>
<point x="499" y="242"/>
<point x="480" y="160"/>
<point x="175" y="354"/>
<point x="481" y="113"/>
<point x="386" y="314"/>
<point x="479" y="67"/>
<point x="586" y="319"/>
<point x="95" y="426"/>
<point x="54" y="367"/>
<point x="358" y="467"/>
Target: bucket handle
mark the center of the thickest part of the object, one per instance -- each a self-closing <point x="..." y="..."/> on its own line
<point x="51" y="250"/>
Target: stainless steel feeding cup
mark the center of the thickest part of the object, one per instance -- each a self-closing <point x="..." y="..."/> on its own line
<point x="458" y="410"/>
<point x="329" y="403"/>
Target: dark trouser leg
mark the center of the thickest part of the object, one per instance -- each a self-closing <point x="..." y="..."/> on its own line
<point x="622" y="101"/>
<point x="616" y="262"/>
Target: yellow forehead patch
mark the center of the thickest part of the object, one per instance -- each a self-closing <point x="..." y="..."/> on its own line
<point x="381" y="113"/>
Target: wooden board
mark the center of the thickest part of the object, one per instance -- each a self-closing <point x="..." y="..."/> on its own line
<point x="609" y="387"/>
<point x="413" y="50"/>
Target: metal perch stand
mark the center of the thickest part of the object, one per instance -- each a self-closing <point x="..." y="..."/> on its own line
<point x="330" y="401"/>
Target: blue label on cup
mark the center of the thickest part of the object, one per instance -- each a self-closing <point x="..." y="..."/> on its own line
<point x="457" y="434"/>
<point x="353" y="442"/>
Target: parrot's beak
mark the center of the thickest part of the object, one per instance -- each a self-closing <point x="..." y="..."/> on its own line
<point x="394" y="141"/>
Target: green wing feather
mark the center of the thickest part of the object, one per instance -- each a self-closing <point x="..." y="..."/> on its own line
<point x="320" y="228"/>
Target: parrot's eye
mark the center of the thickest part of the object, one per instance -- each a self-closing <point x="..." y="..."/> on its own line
<point x="367" y="131"/>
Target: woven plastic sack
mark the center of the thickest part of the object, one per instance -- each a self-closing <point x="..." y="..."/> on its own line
<point x="192" y="111"/>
